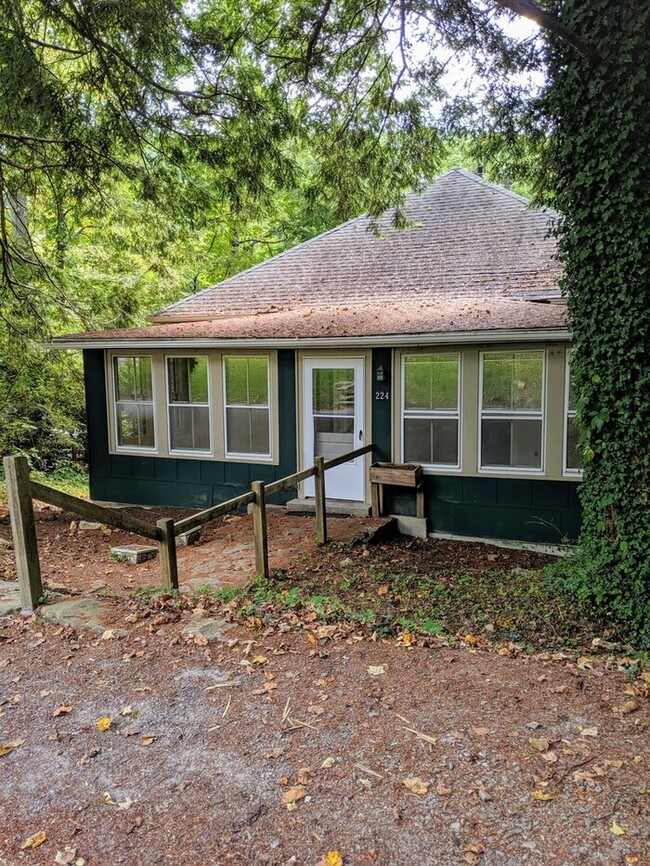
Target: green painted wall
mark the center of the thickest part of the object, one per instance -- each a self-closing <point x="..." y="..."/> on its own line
<point x="514" y="508"/>
<point x="527" y="510"/>
<point x="382" y="410"/>
<point x="169" y="481"/>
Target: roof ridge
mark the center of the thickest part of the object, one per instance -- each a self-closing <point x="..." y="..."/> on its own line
<point x="481" y="181"/>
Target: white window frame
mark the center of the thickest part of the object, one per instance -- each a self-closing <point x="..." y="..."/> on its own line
<point x="189" y="452"/>
<point x="243" y="455"/>
<point x="512" y="415"/>
<point x="113" y="394"/>
<point x="568" y="414"/>
<point x="432" y="413"/>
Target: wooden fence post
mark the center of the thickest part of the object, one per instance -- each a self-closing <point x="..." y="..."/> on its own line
<point x="321" y="507"/>
<point x="23" y="530"/>
<point x="259" y="528"/>
<point x="168" y="561"/>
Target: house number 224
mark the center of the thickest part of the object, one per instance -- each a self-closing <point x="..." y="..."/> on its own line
<point x="382" y="395"/>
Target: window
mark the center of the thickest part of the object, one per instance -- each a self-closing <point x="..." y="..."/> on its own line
<point x="572" y="458"/>
<point x="188" y="404"/>
<point x="430" y="409"/>
<point x="246" y="384"/>
<point x="134" y="409"/>
<point x="511" y="410"/>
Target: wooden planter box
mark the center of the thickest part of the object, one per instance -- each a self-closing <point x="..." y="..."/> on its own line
<point x="399" y="474"/>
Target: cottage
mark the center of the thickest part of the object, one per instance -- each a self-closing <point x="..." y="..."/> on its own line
<point x="444" y="345"/>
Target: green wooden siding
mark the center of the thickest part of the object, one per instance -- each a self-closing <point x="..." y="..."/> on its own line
<point x="513" y="508"/>
<point x="170" y="481"/>
<point x="523" y="509"/>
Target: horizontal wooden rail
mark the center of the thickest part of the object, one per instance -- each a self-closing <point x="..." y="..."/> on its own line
<point x="337" y="461"/>
<point x="196" y="520"/>
<point x="94" y="512"/>
<point x="289" y="480"/>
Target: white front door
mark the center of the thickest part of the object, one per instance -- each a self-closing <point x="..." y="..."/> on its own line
<point x="333" y="423"/>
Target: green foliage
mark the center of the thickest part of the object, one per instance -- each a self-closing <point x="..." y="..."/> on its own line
<point x="598" y="158"/>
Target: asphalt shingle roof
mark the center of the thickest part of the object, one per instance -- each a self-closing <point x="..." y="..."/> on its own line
<point x="470" y="240"/>
<point x="477" y="259"/>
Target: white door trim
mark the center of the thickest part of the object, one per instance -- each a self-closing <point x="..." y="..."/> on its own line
<point x="346" y="482"/>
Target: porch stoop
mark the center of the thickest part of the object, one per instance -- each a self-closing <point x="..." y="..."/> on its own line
<point x="339" y="507"/>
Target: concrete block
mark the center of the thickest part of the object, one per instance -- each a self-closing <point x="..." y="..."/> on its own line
<point x="134" y="553"/>
<point x="185" y="539"/>
<point x="414" y="526"/>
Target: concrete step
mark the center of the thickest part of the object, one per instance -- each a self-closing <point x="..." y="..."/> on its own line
<point x="334" y="506"/>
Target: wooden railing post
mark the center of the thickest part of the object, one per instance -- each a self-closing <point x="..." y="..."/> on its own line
<point x="259" y="528"/>
<point x="23" y="530"/>
<point x="168" y="561"/>
<point x="321" y="507"/>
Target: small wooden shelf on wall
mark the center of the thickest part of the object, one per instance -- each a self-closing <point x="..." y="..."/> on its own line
<point x="396" y="475"/>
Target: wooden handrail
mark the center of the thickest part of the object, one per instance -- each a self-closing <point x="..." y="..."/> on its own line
<point x="289" y="480"/>
<point x="337" y="461"/>
<point x="196" y="520"/>
<point x="93" y="511"/>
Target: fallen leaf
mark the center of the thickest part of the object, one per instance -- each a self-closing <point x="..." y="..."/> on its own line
<point x="304" y="776"/>
<point x="126" y="711"/>
<point x="259" y="660"/>
<point x="471" y="639"/>
<point x="104" y="723"/>
<point x="472" y="854"/>
<point x="316" y="709"/>
<point x="333" y="858"/>
<point x="543" y="796"/>
<point x="442" y="789"/>
<point x="147" y="741"/>
<point x="376" y="670"/>
<point x="616" y="764"/>
<point x="631" y="860"/>
<point x="59" y="711"/>
<point x="200" y="640"/>
<point x="616" y="829"/>
<point x="550" y="757"/>
<point x="481" y="732"/>
<point x="34" y="840"/>
<point x="627" y="707"/>
<point x="540" y="745"/>
<point x="66" y="857"/>
<point x="416" y="785"/>
<point x="292" y="795"/>
<point x="6" y="748"/>
<point x="383" y="589"/>
<point x="588" y="732"/>
<point x="109" y="634"/>
<point x="328" y="763"/>
<point x="274" y="753"/>
<point x="85" y="759"/>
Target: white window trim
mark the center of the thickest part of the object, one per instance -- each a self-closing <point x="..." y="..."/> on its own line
<point x="433" y="413"/>
<point x="150" y="450"/>
<point x="503" y="415"/>
<point x="568" y="413"/>
<point x="243" y="456"/>
<point x="189" y="452"/>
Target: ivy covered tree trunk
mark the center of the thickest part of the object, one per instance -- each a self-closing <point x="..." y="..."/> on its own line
<point x="601" y="161"/>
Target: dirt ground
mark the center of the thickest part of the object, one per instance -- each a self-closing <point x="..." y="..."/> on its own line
<point x="304" y="743"/>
